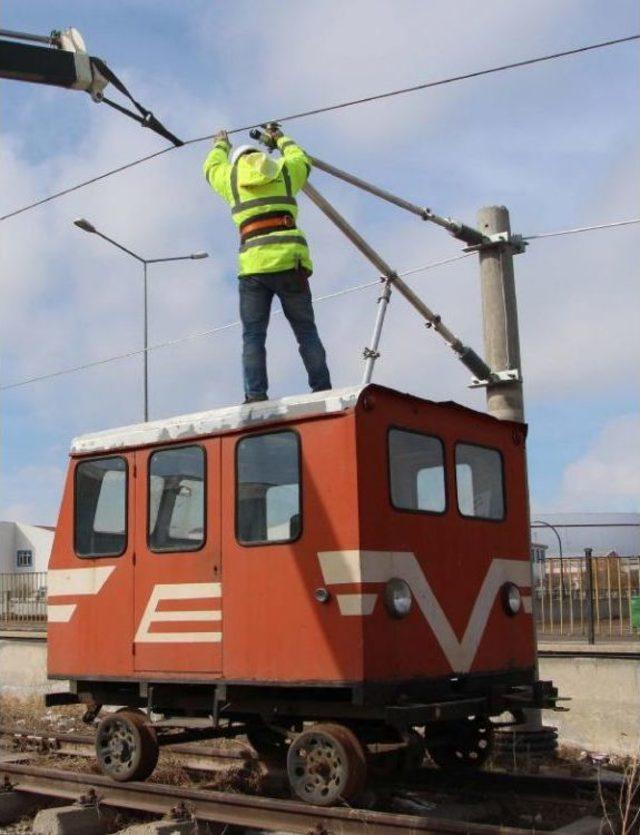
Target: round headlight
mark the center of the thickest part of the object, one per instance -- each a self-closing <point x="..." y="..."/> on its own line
<point x="397" y="598"/>
<point x="511" y="599"/>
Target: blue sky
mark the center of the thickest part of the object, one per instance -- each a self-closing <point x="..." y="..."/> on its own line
<point x="557" y="143"/>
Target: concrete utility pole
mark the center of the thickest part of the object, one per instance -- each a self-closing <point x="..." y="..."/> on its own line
<point x="505" y="399"/>
<point x="500" y="316"/>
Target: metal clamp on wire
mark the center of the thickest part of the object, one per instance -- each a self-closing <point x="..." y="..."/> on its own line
<point x="516" y="243"/>
<point x="370" y="354"/>
<point x="511" y="375"/>
<point x="264" y="136"/>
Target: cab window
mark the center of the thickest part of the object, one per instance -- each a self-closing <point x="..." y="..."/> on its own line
<point x="479" y="482"/>
<point x="100" y="507"/>
<point x="268" y="488"/>
<point x="416" y="467"/>
<point x="177" y="499"/>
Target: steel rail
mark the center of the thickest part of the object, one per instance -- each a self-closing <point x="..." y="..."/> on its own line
<point x="552" y="783"/>
<point x="88" y="739"/>
<point x="243" y="810"/>
<point x="616" y="655"/>
<point x="188" y="756"/>
<point x="555" y="785"/>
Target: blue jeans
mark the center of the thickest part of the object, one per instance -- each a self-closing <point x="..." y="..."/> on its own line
<point x="256" y="294"/>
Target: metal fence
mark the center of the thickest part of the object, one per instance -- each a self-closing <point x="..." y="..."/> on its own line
<point x="588" y="597"/>
<point x="23" y="600"/>
<point x="574" y="597"/>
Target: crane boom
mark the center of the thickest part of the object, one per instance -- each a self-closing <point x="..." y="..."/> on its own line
<point x="68" y="65"/>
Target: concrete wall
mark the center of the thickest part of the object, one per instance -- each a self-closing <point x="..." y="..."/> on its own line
<point x="23" y="667"/>
<point x="604" y="711"/>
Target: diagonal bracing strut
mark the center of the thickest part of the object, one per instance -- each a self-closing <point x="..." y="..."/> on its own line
<point x="459" y="230"/>
<point x="473" y="237"/>
<point x="466" y="355"/>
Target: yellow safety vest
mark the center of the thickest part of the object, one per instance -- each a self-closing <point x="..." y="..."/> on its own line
<point x="257" y="187"/>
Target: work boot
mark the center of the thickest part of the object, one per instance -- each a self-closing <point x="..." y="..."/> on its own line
<point x="255" y="398"/>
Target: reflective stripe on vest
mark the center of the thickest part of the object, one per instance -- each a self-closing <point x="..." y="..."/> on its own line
<point x="241" y="206"/>
<point x="264" y="240"/>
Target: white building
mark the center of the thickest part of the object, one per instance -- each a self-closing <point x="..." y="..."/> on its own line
<point x="24" y="548"/>
<point x="606" y="533"/>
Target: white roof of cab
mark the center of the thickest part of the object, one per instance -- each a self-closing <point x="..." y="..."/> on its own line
<point x="217" y="420"/>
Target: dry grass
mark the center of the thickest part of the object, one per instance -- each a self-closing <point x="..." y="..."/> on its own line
<point x="622" y="809"/>
<point x="31" y="716"/>
<point x="246" y="778"/>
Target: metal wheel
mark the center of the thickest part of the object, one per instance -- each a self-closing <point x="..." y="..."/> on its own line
<point x="267" y="742"/>
<point x="462" y="745"/>
<point x="126" y="746"/>
<point x="326" y="764"/>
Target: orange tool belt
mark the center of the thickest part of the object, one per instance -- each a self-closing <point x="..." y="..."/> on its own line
<point x="265" y="223"/>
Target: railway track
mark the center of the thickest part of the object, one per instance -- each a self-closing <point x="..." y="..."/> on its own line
<point x="236" y="809"/>
<point x="212" y="758"/>
<point x="568" y="652"/>
<point x="191" y="757"/>
<point x="407" y="794"/>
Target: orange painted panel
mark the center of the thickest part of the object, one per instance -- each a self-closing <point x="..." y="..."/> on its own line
<point x="178" y="595"/>
<point x="260" y="600"/>
<point x="455" y="565"/>
<point x="274" y="628"/>
<point x="90" y="600"/>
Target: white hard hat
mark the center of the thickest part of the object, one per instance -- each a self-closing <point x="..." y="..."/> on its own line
<point x="242" y="149"/>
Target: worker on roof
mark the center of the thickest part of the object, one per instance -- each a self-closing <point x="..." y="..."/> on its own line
<point x="274" y="257"/>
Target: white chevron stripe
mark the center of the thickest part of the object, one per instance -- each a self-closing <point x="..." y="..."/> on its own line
<point x="73" y="582"/>
<point x="180" y="591"/>
<point x="356" y="604"/>
<point x="60" y="613"/>
<point x="345" y="567"/>
<point x="67" y="582"/>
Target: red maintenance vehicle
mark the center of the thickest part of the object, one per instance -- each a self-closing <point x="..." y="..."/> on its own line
<point x="324" y="573"/>
<point x="328" y="574"/>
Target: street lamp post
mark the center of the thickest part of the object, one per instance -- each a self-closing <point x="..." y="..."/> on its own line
<point x="554" y="529"/>
<point x="86" y="226"/>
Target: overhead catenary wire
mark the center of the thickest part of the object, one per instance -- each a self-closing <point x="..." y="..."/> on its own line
<point x="578" y="229"/>
<point x="327" y="109"/>
<point x="220" y="328"/>
<point x="346" y="291"/>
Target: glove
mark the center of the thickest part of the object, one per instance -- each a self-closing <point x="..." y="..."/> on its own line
<point x="273" y="131"/>
<point x="221" y="136"/>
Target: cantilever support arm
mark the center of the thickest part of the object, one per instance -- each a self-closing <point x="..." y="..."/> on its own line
<point x="466" y="355"/>
<point x="459" y="230"/>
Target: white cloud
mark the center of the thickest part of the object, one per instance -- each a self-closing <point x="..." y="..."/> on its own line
<point x="69" y="298"/>
<point x="607" y="476"/>
<point x="30" y="498"/>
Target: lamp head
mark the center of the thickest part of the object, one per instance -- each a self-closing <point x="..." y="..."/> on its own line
<point x="83" y="223"/>
<point x="196" y="256"/>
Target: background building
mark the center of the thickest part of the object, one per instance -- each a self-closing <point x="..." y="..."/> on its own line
<point x="606" y="533"/>
<point x="24" y="548"/>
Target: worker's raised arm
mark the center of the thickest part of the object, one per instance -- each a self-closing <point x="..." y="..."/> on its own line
<point x="216" y="166"/>
<point x="298" y="163"/>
